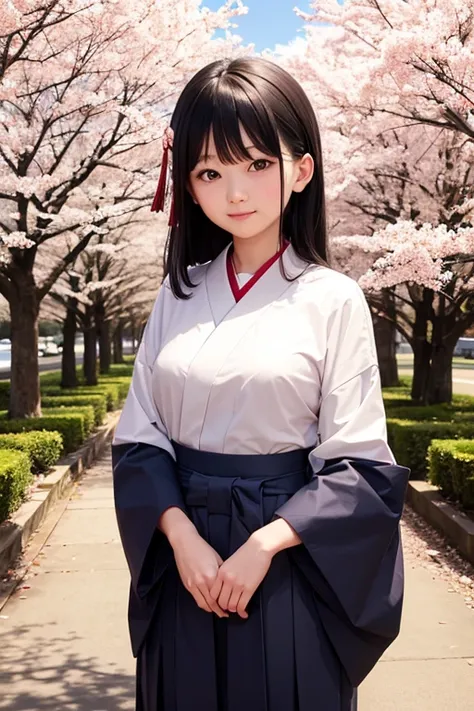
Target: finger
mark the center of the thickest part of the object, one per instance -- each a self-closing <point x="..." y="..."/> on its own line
<point x="242" y="604"/>
<point x="214" y="605"/>
<point x="224" y="596"/>
<point x="234" y="599"/>
<point x="216" y="588"/>
<point x="200" y="600"/>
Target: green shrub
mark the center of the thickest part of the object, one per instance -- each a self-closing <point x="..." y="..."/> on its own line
<point x="110" y="391"/>
<point x="410" y="440"/>
<point x="15" y="476"/>
<point x="97" y="401"/>
<point x="122" y="384"/>
<point x="43" y="448"/>
<point x="396" y="399"/>
<point x="451" y="467"/>
<point x="71" y="425"/>
<point x="397" y="392"/>
<point x="87" y="412"/>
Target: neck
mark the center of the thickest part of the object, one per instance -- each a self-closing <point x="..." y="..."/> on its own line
<point x="251" y="253"/>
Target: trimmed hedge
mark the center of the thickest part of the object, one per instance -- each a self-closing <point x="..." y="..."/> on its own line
<point x="396" y="393"/>
<point x="43" y="448"/>
<point x="15" y="476"/>
<point x="87" y="412"/>
<point x="122" y="384"/>
<point x="451" y="467"/>
<point x="69" y="424"/>
<point x="98" y="403"/>
<point x="392" y="400"/>
<point x="111" y="392"/>
<point x="411" y="439"/>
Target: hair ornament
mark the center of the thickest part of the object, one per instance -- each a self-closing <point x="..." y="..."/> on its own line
<point x="164" y="196"/>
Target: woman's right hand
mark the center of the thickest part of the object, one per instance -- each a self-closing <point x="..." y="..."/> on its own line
<point x="198" y="564"/>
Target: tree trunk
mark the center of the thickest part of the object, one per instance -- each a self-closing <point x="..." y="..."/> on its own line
<point x="439" y="386"/>
<point x="105" y="348"/>
<point x="421" y="369"/>
<point x="103" y="331"/>
<point x="90" y="347"/>
<point x="385" y="332"/>
<point x="422" y="347"/>
<point x="68" y="360"/>
<point x="133" y="329"/>
<point x="432" y="372"/>
<point x="25" y="399"/>
<point x="118" y="343"/>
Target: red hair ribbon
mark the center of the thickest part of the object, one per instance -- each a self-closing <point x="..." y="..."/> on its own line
<point x="165" y="184"/>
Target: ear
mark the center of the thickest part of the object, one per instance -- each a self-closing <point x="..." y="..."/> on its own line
<point x="190" y="191"/>
<point x="305" y="171"/>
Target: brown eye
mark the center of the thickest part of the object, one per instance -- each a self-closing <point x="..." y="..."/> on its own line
<point x="260" y="164"/>
<point x="208" y="176"/>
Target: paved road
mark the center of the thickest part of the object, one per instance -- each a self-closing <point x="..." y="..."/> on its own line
<point x="46" y="363"/>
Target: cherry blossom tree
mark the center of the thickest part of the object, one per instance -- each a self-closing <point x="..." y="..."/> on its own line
<point x="429" y="271"/>
<point x="111" y="286"/>
<point x="408" y="60"/>
<point x="83" y="104"/>
<point x="392" y="82"/>
<point x="419" y="174"/>
<point x="21" y="21"/>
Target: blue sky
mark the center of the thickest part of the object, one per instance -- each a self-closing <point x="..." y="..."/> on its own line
<point x="268" y="22"/>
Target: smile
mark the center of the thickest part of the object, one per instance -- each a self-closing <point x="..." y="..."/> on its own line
<point x="241" y="215"/>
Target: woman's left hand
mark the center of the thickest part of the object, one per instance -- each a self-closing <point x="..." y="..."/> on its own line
<point x="240" y="575"/>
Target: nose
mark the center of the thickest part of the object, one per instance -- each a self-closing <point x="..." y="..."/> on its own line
<point x="236" y="194"/>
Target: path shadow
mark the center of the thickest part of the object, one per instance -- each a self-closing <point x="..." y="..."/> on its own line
<point x="49" y="675"/>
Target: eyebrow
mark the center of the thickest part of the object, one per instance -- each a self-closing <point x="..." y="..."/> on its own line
<point x="204" y="158"/>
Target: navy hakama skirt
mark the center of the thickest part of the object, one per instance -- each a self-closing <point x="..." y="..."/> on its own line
<point x="310" y="639"/>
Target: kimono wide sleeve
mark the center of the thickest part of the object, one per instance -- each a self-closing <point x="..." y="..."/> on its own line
<point x="348" y="514"/>
<point x="145" y="482"/>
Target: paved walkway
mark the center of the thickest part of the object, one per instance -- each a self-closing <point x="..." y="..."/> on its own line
<point x="64" y="641"/>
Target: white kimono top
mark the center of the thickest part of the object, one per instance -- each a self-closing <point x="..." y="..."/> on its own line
<point x="292" y="365"/>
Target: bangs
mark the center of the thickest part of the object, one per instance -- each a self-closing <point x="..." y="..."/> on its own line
<point x="222" y="110"/>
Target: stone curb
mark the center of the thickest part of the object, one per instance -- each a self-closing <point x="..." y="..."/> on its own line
<point x="426" y="500"/>
<point x="16" y="531"/>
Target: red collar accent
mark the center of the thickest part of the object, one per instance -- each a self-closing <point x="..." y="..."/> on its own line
<point x="234" y="284"/>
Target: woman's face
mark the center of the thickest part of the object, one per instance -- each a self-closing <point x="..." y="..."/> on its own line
<point x="244" y="198"/>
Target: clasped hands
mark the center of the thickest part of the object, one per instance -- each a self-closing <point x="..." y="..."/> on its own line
<point x="227" y="586"/>
<point x="221" y="586"/>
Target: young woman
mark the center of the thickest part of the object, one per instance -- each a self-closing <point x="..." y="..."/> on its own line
<point x="257" y="499"/>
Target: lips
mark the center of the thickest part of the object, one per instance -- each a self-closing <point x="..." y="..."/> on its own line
<point x="241" y="214"/>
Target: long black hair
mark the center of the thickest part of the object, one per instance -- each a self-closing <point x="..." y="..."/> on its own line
<point x="270" y="105"/>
